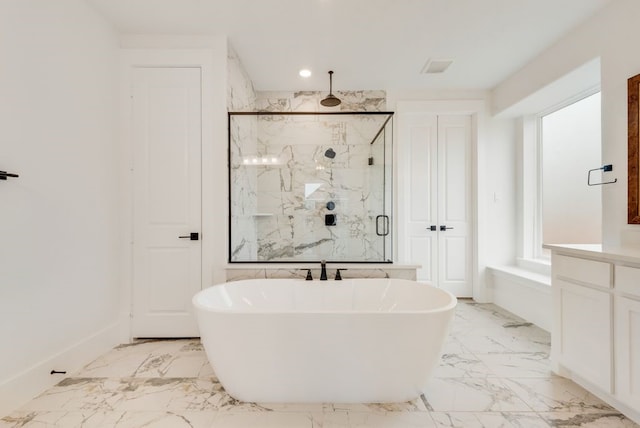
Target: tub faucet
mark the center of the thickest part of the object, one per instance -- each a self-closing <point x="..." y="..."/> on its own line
<point x="309" y="277"/>
<point x="338" y="276"/>
<point x="323" y="271"/>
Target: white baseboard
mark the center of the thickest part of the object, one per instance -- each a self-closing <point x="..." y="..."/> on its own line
<point x="525" y="294"/>
<point x="24" y="386"/>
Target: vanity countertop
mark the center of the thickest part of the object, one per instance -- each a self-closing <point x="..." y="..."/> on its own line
<point x="619" y="254"/>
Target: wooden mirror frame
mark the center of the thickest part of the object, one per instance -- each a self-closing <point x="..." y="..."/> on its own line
<point x="633" y="148"/>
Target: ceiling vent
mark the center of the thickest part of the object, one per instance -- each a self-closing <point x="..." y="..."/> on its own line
<point x="434" y="66"/>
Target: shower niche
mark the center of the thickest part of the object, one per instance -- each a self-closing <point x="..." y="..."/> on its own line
<point x="306" y="187"/>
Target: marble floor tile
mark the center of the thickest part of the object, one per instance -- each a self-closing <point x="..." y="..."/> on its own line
<point x="556" y="394"/>
<point x="472" y="395"/>
<point x="489" y="420"/>
<point x="453" y="346"/>
<point x="293" y="407"/>
<point x="485" y="314"/>
<point x="268" y="420"/>
<point x="61" y="419"/>
<point x="494" y="372"/>
<point x="588" y="420"/>
<point x="410" y="406"/>
<point x="103" y="419"/>
<point x="499" y="340"/>
<point x="523" y="364"/>
<point x="165" y="420"/>
<point x="79" y="394"/>
<point x="152" y="358"/>
<point x="475" y="343"/>
<point x="461" y="365"/>
<point x="138" y="394"/>
<point x="378" y="420"/>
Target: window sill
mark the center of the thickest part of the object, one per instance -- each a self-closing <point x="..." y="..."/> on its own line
<point x="523" y="276"/>
<point x="537" y="266"/>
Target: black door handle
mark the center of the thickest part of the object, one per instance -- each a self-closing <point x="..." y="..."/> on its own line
<point x="5" y="174"/>
<point x="432" y="228"/>
<point x="443" y="228"/>
<point x="194" y="236"/>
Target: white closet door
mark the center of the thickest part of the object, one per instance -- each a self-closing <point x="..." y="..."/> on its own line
<point x="438" y="197"/>
<point x="166" y="127"/>
<point x="421" y="132"/>
<point x="454" y="185"/>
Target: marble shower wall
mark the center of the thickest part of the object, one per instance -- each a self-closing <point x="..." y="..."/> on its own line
<point x="241" y="96"/>
<point x="309" y="101"/>
<point x="295" y="180"/>
<point x="278" y="208"/>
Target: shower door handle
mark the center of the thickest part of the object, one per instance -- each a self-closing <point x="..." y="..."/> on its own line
<point x="194" y="236"/>
<point x="385" y="225"/>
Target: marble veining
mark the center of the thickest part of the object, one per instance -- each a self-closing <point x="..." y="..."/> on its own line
<point x="281" y="179"/>
<point x="500" y="379"/>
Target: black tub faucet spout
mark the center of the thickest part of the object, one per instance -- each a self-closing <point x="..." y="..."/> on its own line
<point x="323" y="271"/>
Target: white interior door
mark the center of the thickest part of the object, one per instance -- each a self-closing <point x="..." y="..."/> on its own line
<point x="421" y="132"/>
<point x="166" y="129"/>
<point x="454" y="170"/>
<point x="438" y="233"/>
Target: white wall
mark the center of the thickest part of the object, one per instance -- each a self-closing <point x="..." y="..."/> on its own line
<point x="612" y="35"/>
<point x="500" y="227"/>
<point x="59" y="225"/>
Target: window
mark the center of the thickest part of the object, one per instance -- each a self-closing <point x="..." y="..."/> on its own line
<point x="558" y="148"/>
<point x="571" y="144"/>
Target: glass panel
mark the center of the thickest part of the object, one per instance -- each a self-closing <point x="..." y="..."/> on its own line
<point x="308" y="187"/>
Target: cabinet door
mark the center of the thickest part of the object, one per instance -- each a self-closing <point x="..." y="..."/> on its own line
<point x="585" y="333"/>
<point x="627" y="345"/>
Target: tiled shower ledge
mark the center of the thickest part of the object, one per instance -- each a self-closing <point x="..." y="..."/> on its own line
<point x="298" y="270"/>
<point x="309" y="265"/>
<point x="494" y="373"/>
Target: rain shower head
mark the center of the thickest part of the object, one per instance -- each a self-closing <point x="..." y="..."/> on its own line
<point x="330" y="100"/>
<point x="330" y="153"/>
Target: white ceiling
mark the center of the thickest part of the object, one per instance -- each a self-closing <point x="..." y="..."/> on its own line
<point x="370" y="44"/>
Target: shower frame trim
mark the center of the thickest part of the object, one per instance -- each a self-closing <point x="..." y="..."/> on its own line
<point x="289" y="113"/>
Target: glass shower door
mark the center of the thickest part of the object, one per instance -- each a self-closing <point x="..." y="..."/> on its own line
<point x="310" y="186"/>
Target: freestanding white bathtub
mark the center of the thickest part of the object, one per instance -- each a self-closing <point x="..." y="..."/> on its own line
<point x="350" y="341"/>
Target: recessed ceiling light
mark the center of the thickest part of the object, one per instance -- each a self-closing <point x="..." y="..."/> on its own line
<point x="436" y="66"/>
<point x="305" y="73"/>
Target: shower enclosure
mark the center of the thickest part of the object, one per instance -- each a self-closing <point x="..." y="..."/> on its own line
<point x="310" y="186"/>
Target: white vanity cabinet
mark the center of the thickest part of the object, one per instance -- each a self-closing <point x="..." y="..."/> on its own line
<point x="595" y="338"/>
<point x="582" y="334"/>
<point x="627" y="335"/>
